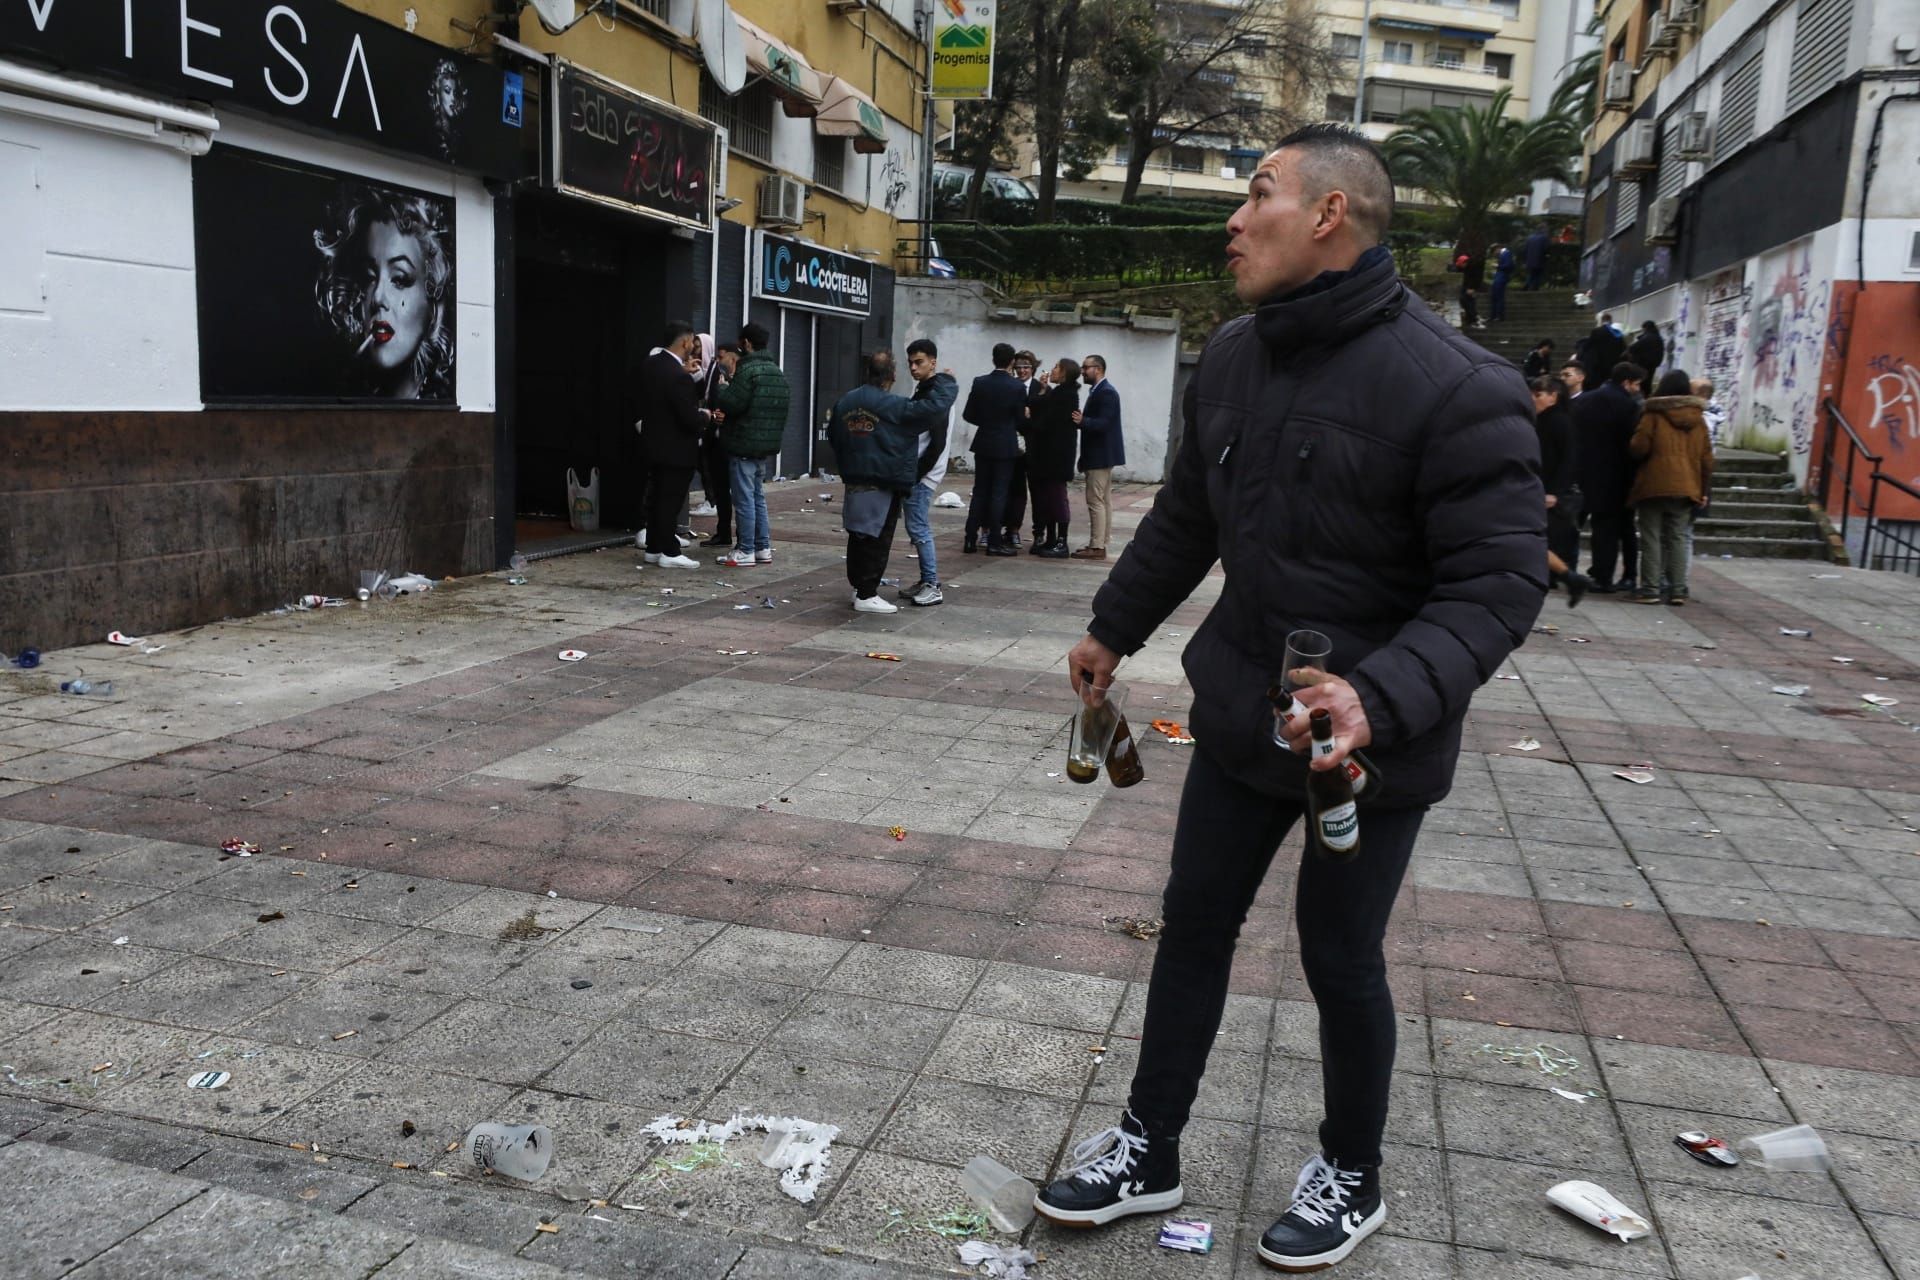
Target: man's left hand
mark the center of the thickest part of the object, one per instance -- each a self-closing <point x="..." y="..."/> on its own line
<point x="1313" y="689"/>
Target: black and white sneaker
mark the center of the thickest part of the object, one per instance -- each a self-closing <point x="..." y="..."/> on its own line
<point x="1333" y="1210"/>
<point x="1114" y="1173"/>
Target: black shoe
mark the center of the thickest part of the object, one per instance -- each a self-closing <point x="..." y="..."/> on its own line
<point x="1056" y="550"/>
<point x="1577" y="588"/>
<point x="1002" y="550"/>
<point x="1601" y="588"/>
<point x="1114" y="1173"/>
<point x="971" y="545"/>
<point x="1011" y="538"/>
<point x="1628" y="585"/>
<point x="1333" y="1210"/>
<point x="718" y="540"/>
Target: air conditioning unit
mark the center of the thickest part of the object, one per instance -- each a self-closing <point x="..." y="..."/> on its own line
<point x="1633" y="149"/>
<point x="1660" y="36"/>
<point x="1696" y="138"/>
<point x="722" y="152"/>
<point x="1663" y="220"/>
<point x="783" y="201"/>
<point x="1683" y="17"/>
<point x="1619" y="85"/>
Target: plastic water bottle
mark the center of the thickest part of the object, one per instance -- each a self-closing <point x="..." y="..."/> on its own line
<point x="104" y="688"/>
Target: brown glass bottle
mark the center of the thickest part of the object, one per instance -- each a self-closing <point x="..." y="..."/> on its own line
<point x="1123" y="759"/>
<point x="1333" y="818"/>
<point x="1363" y="773"/>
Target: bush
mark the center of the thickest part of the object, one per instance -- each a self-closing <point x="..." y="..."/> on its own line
<point x="1102" y="213"/>
<point x="1055" y="252"/>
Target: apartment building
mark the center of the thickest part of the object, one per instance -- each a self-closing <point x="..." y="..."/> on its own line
<point x="1754" y="188"/>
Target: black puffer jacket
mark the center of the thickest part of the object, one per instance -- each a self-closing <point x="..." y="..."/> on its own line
<point x="1359" y="468"/>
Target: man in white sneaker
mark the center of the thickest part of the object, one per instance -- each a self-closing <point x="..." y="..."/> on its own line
<point x="670" y="425"/>
<point x="922" y="356"/>
<point x="754" y="404"/>
<point x="876" y="439"/>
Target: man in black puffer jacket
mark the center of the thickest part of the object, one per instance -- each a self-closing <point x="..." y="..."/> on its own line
<point x="1358" y="468"/>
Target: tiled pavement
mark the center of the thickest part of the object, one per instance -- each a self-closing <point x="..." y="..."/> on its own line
<point x="1734" y="946"/>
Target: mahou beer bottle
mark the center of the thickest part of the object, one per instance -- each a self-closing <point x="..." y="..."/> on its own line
<point x="1361" y="772"/>
<point x="1123" y="760"/>
<point x="1333" y="815"/>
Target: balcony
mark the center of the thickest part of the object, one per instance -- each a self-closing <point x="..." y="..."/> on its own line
<point x="1436" y="74"/>
<point x="1466" y="20"/>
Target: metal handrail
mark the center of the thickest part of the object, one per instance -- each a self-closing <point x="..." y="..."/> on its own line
<point x="1857" y="449"/>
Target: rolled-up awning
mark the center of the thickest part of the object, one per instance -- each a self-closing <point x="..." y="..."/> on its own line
<point x="799" y="86"/>
<point x="845" y="112"/>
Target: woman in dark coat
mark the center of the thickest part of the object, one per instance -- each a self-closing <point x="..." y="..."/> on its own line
<point x="1052" y="439"/>
<point x="1648" y="348"/>
<point x="1555" y="424"/>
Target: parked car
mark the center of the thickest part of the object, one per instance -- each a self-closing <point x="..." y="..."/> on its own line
<point x="951" y="183"/>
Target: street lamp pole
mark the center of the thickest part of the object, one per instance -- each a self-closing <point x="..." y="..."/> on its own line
<point x="1360" y="76"/>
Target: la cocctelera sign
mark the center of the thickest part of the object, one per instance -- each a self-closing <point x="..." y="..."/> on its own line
<point x="799" y="274"/>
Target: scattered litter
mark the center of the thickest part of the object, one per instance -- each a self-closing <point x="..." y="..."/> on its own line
<point x="125" y="641"/>
<point x="884" y="657"/>
<point x="520" y="1151"/>
<point x="1706" y="1148"/>
<point x="104" y="688"/>
<point x="898" y="833"/>
<point x="151" y="649"/>
<point x="1879" y="701"/>
<point x="1597" y="1207"/>
<point x="1845" y="662"/>
<point x="122" y="940"/>
<point x="738" y="653"/>
<point x="1639" y="775"/>
<point x="1799" y="632"/>
<point x="418" y="583"/>
<point x="1569" y="1094"/>
<point x="27" y="660"/>
<point x="632" y="928"/>
<point x="1549" y="1059"/>
<point x="408" y="1128"/>
<point x="245" y="848"/>
<point x="1578" y="640"/>
<point x="581" y="984"/>
<point x="1528" y="743"/>
<point x="741" y="608"/>
<point x="548" y="1227"/>
<point x="1546" y="629"/>
<point x="1186" y="1235"/>
<point x="1134" y="927"/>
<point x="1504" y="676"/>
<point x="208" y="1079"/>
<point x="516" y="582"/>
<point x="1797" y="1149"/>
<point x="1006" y="1197"/>
<point x="271" y="916"/>
<point x="1828" y="575"/>
<point x="803" y="1159"/>
<point x="1792" y="690"/>
<point x="347" y="1035"/>
<point x="572" y="655"/>
<point x="1173" y="731"/>
<point x="766" y="602"/>
<point x="954" y="1224"/>
<point x="999" y="1261"/>
<point x="1705" y="644"/>
<point x="949" y="499"/>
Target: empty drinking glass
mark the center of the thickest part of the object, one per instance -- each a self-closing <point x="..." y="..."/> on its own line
<point x="1305" y="649"/>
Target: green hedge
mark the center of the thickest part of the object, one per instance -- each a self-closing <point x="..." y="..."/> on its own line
<point x="1102" y="213"/>
<point x="1130" y="255"/>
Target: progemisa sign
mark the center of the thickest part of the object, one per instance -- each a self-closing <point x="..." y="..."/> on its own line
<point x="622" y="148"/>
<point x="312" y="63"/>
<point x="805" y="275"/>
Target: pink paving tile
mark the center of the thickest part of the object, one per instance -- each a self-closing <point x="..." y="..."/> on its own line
<point x="1863" y="953"/>
<point x="677" y="892"/>
<point x="1828" y="1040"/>
<point x="1125" y="841"/>
<point x="288" y="735"/>
<point x="1647" y="1018"/>
<point x="1518" y="955"/>
<point x="1523" y="1002"/>
<point x="1745" y="940"/>
<point x="1257" y="970"/>
<point x="1075" y="950"/>
<point x="1608" y="924"/>
<point x="425" y="815"/>
<point x="1478" y="910"/>
<point x="1132" y="875"/>
<point x="948" y="887"/>
<point x="1895" y="999"/>
<point x="941" y="929"/>
<point x="869" y="877"/>
<point x="619" y="846"/>
<point x="146" y="778"/>
<point x="834" y="915"/>
<point x="1089" y="907"/>
<point x="743" y="860"/>
<point x="993" y="858"/>
<point x="1785" y="986"/>
<point x="1600" y="964"/>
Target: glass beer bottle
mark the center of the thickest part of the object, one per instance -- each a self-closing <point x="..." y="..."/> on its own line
<point x="1363" y="773"/>
<point x="1333" y="816"/>
<point x="1123" y="760"/>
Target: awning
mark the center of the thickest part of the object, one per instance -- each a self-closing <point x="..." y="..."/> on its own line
<point x="845" y="112"/>
<point x="796" y="82"/>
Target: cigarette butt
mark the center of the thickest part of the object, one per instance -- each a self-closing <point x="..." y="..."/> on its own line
<point x="401" y="1164"/>
<point x="278" y="973"/>
<point x="296" y="873"/>
<point x="297" y="1146"/>
<point x="102" y="1067"/>
<point x="344" y="1035"/>
<point x="549" y="1228"/>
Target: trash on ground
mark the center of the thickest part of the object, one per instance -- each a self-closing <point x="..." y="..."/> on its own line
<point x="1528" y="743"/>
<point x="1549" y="1059"/>
<point x="1879" y="701"/>
<point x="347" y="1035"/>
<point x="245" y="848"/>
<point x="411" y="582"/>
<point x="521" y="1151"/>
<point x="270" y="916"/>
<point x="1569" y="1095"/>
<point x="104" y="688"/>
<point x="1578" y="640"/>
<point x="1797" y="1149"/>
<point x="1828" y="575"/>
<point x="1597" y="1207"/>
<point x="803" y="1159"/>
<point x="1000" y="1261"/>
<point x="516" y="581"/>
<point x="1006" y="1197"/>
<point x="124" y="640"/>
<point x="1173" y="731"/>
<point x="581" y="984"/>
<point x="1845" y="662"/>
<point x="572" y="655"/>
<point x="898" y="833"/>
<point x="1186" y="1235"/>
<point x="120" y="941"/>
<point x="1706" y="1148"/>
<point x="884" y="657"/>
<point x="949" y="499"/>
<point x="1800" y="632"/>
<point x="208" y="1079"/>
<point x="739" y="608"/>
<point x="1546" y="629"/>
<point x="1792" y="690"/>
<point x="766" y="602"/>
<point x="1137" y="927"/>
<point x="1504" y="676"/>
<point x="27" y="660"/>
<point x="632" y="928"/>
<point x="1639" y="775"/>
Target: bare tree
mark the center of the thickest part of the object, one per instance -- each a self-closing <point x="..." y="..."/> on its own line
<point x="1055" y="42"/>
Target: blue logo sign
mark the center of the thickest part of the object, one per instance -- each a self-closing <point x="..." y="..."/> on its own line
<point x="808" y="276"/>
<point x="513" y="97"/>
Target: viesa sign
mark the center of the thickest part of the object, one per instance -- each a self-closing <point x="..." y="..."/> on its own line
<point x="313" y="63"/>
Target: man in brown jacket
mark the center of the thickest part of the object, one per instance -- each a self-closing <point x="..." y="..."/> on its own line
<point x="1675" y="455"/>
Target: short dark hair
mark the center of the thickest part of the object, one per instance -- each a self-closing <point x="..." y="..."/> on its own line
<point x="1575" y="362"/>
<point x="923" y="347"/>
<point x="1338" y="157"/>
<point x="1628" y="371"/>
<point x="755" y="334"/>
<point x="1099" y="360"/>
<point x="675" y="330"/>
<point x="1550" y="385"/>
<point x="879" y="367"/>
<point x="1675" y="382"/>
<point x="1544" y="342"/>
<point x="730" y="347"/>
<point x="1002" y="354"/>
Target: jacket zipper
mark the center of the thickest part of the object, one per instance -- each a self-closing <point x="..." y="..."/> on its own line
<point x="1303" y="494"/>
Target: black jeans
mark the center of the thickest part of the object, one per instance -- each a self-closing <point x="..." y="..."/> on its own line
<point x="717" y="483"/>
<point x="666" y="495"/>
<point x="1222" y="845"/>
<point x="867" y="557"/>
<point x="1017" y="495"/>
<point x="1563" y="529"/>
<point x="1614" y="544"/>
<point x="992" y="483"/>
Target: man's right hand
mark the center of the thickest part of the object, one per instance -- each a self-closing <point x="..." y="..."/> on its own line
<point x="1091" y="659"/>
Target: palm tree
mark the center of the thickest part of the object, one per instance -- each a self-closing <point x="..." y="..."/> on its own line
<point x="1475" y="159"/>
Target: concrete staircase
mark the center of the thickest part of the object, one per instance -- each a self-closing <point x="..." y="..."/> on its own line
<point x="1758" y="510"/>
<point x="1550" y="313"/>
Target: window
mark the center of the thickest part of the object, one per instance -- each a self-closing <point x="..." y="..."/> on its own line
<point x="747" y="116"/>
<point x="1450" y="55"/>
<point x="1626" y="206"/>
<point x="1387" y="102"/>
<point x="1346" y="46"/>
<point x="1400" y="51"/>
<point x="830" y="162"/>
<point x="1819" y="49"/>
<point x="1339" y="106"/>
<point x="1740" y="98"/>
<point x="1500" y="65"/>
<point x="1189" y="159"/>
<point x="1597" y="210"/>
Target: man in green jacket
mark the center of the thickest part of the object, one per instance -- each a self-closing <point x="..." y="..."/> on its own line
<point x="755" y="408"/>
<point x="876" y="439"/>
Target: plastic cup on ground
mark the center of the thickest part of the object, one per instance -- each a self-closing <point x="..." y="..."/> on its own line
<point x="521" y="1151"/>
<point x="1005" y="1195"/>
<point x="1798" y="1149"/>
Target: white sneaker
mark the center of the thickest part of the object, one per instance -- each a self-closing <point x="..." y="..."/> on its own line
<point x="736" y="560"/>
<point x="927" y="593"/>
<point x="764" y="557"/>
<point x="705" y="509"/>
<point x="678" y="562"/>
<point x="874" y="604"/>
<point x="651" y="557"/>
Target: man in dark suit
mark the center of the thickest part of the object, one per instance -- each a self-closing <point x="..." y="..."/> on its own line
<point x="1102" y="448"/>
<point x="1534" y="254"/>
<point x="1603" y="423"/>
<point x="671" y="420"/>
<point x="997" y="408"/>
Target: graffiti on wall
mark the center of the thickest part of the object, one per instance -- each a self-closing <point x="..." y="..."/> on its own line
<point x="1873" y="372"/>
<point x="1787" y="340"/>
<point x="894" y="182"/>
<point x="1893" y="391"/>
<point x="1680" y="350"/>
<point x="1723" y="339"/>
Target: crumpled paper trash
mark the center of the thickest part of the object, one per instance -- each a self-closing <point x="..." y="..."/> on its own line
<point x="1000" y="1261"/>
<point x="802" y="1159"/>
<point x="949" y="499"/>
